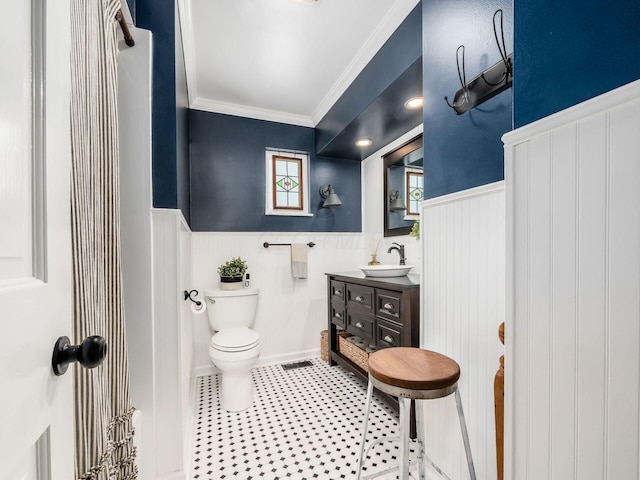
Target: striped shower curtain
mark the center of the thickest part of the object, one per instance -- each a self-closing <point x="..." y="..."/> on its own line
<point x="103" y="430"/>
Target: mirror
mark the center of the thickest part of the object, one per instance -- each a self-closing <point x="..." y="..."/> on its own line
<point x="403" y="187"/>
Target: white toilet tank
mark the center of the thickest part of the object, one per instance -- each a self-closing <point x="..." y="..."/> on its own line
<point x="231" y="308"/>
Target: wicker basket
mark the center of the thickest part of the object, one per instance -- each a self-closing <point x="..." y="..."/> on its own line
<point x="353" y="352"/>
<point x="343" y="346"/>
<point x="324" y="345"/>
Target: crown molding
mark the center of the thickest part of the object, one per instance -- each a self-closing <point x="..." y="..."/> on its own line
<point x="376" y="40"/>
<point x="216" y="106"/>
<point x="378" y="37"/>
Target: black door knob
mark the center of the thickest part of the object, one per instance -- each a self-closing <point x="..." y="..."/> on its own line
<point x="90" y="353"/>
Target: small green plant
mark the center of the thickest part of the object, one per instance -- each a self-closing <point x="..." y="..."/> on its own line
<point x="415" y="230"/>
<point x="236" y="267"/>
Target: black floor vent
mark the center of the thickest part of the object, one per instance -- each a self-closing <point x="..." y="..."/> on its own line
<point x="291" y="366"/>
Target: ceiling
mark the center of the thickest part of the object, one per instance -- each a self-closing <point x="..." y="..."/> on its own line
<point x="281" y="60"/>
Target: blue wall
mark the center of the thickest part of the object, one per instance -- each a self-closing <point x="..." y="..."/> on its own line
<point x="169" y="147"/>
<point x="572" y="50"/>
<point x="462" y="151"/>
<point x="228" y="177"/>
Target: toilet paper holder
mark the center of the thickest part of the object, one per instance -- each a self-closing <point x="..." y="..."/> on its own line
<point x="187" y="296"/>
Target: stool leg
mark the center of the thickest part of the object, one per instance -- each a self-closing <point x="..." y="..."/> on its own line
<point x="405" y="409"/>
<point x="365" y="425"/>
<point x="421" y="441"/>
<point x="465" y="437"/>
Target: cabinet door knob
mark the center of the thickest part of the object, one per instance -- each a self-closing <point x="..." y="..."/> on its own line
<point x="359" y="298"/>
<point x="338" y="315"/>
<point x="388" y="339"/>
<point x="338" y="292"/>
<point x="387" y="306"/>
<point x="359" y="325"/>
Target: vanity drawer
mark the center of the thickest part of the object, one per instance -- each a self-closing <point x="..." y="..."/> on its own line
<point x="388" y="334"/>
<point x="337" y="292"/>
<point x="338" y="316"/>
<point x="389" y="304"/>
<point x="360" y="296"/>
<point x="361" y="325"/>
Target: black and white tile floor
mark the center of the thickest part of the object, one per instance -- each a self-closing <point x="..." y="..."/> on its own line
<point x="305" y="424"/>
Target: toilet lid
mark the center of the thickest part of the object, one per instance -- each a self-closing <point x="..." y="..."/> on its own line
<point x="235" y="339"/>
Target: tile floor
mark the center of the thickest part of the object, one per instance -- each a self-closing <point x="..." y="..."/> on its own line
<point x="305" y="424"/>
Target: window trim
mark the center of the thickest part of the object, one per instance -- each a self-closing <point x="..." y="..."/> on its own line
<point x="269" y="208"/>
<point x="416" y="173"/>
<point x="301" y="202"/>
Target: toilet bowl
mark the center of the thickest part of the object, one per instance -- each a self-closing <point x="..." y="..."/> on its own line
<point x="235" y="351"/>
<point x="234" y="348"/>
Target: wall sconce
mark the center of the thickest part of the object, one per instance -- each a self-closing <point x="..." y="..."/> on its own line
<point x="395" y="201"/>
<point x="332" y="200"/>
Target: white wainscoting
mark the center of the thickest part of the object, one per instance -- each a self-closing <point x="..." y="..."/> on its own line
<point x="462" y="307"/>
<point x="169" y="319"/>
<point x="573" y="299"/>
<point x="291" y="312"/>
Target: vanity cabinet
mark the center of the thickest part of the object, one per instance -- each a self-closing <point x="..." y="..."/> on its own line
<point x="385" y="312"/>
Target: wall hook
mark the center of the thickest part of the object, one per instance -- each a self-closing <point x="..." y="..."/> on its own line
<point x="487" y="84"/>
<point x="187" y="296"/>
<point x="502" y="48"/>
<point x="462" y="76"/>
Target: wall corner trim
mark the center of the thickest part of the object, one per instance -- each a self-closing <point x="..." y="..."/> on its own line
<point x="172" y="212"/>
<point x="624" y="94"/>
<point x="464" y="194"/>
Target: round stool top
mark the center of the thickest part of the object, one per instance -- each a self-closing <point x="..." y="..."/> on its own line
<point x="413" y="368"/>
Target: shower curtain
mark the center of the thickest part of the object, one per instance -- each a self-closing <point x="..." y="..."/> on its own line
<point x="103" y="430"/>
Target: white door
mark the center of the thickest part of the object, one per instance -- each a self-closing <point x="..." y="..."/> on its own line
<point x="36" y="407"/>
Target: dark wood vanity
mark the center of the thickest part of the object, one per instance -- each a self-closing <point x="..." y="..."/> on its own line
<point x="384" y="312"/>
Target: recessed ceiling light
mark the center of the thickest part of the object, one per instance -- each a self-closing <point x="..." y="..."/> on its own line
<point x="413" y="103"/>
<point x="363" y="142"/>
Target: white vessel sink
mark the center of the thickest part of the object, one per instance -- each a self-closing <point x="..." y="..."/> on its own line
<point x="386" y="270"/>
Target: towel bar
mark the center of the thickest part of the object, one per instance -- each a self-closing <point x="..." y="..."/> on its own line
<point x="267" y="244"/>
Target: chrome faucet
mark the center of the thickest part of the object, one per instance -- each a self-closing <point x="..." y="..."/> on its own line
<point x="400" y="249"/>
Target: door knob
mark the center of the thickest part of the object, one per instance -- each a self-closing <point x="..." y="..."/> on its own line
<point x="90" y="353"/>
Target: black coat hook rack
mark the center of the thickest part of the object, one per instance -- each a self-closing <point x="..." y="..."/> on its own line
<point x="187" y="296"/>
<point x="488" y="84"/>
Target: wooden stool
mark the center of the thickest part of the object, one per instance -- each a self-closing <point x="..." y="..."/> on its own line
<point x="412" y="374"/>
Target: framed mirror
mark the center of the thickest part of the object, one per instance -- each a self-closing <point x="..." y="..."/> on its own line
<point x="403" y="187"/>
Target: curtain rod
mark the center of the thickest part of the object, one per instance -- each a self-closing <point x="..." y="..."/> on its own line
<point x="128" y="39"/>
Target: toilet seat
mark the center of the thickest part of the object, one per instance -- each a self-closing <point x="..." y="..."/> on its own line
<point x="235" y="339"/>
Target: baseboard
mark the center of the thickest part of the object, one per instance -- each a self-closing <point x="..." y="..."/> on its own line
<point x="205" y="371"/>
<point x="173" y="476"/>
<point x="288" y="357"/>
<point x="265" y="361"/>
<point x="191" y="420"/>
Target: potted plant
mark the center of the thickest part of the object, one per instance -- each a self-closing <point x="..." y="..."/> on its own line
<point x="231" y="273"/>
<point x="415" y="230"/>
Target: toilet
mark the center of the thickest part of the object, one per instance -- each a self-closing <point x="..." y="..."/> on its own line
<point x="234" y="348"/>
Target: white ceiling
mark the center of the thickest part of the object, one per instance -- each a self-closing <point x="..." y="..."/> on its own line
<point x="281" y="60"/>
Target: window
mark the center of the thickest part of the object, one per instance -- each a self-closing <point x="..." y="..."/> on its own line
<point x="286" y="181"/>
<point x="286" y="189"/>
<point x="415" y="191"/>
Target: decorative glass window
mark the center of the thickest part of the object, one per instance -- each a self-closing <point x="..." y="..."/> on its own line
<point x="286" y="182"/>
<point x="415" y="191"/>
